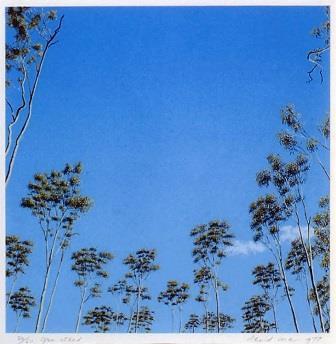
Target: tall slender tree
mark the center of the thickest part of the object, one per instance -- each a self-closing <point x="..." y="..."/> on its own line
<point x="268" y="213"/>
<point x="193" y="323"/>
<point x="142" y="320"/>
<point x="55" y="200"/>
<point x="88" y="264"/>
<point x="140" y="266"/>
<point x="288" y="179"/>
<point x="17" y="252"/>
<point x="269" y="279"/>
<point x="175" y="295"/>
<point x="32" y="32"/>
<point x="254" y="311"/>
<point x="296" y="263"/>
<point x="210" y="248"/>
<point x="202" y="278"/>
<point x="21" y="303"/>
<point x="211" y="321"/>
<point x="99" y="318"/>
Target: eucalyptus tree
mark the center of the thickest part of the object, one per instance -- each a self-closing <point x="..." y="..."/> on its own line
<point x="55" y="200"/>
<point x="140" y="265"/>
<point x="287" y="180"/>
<point x="175" y="295"/>
<point x="321" y="225"/>
<point x="296" y="263"/>
<point x="297" y="140"/>
<point x="88" y="264"/>
<point x="123" y="292"/>
<point x="269" y="279"/>
<point x="99" y="318"/>
<point x="202" y="278"/>
<point x="254" y="311"/>
<point x="142" y="320"/>
<point x="193" y="323"/>
<point x="210" y="321"/>
<point x="31" y="33"/>
<point x="17" y="252"/>
<point x="315" y="56"/>
<point x="323" y="289"/>
<point x="211" y="242"/>
<point x="268" y="213"/>
<point x="21" y="303"/>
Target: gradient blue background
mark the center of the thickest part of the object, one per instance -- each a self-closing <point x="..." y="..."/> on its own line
<point x="172" y="112"/>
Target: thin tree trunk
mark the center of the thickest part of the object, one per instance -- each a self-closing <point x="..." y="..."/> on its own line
<point x="309" y="305"/>
<point x="52" y="293"/>
<point x="309" y="263"/>
<point x="274" y="318"/>
<point x="30" y="103"/>
<point x="18" y="318"/>
<point x="11" y="290"/>
<point x="42" y="298"/>
<point x="180" y="315"/>
<point x="137" y="309"/>
<point x="79" y="316"/>
<point x="217" y="305"/>
<point x="172" y="319"/>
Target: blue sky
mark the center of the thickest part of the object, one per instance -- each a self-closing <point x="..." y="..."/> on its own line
<point x="172" y="111"/>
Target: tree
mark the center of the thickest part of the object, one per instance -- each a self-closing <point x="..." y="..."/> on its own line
<point x="55" y="200"/>
<point x="254" y="311"/>
<point x="175" y="295"/>
<point x="202" y="278"/>
<point x="99" y="318"/>
<point x="140" y="265"/>
<point x="297" y="140"/>
<point x="296" y="263"/>
<point x="211" y="321"/>
<point x="193" y="323"/>
<point x="87" y="264"/>
<point x="288" y="180"/>
<point x="321" y="225"/>
<point x="267" y="215"/>
<point x="315" y="56"/>
<point x="21" y="303"/>
<point x="323" y="289"/>
<point x="17" y="253"/>
<point x="142" y="320"/>
<point x="269" y="279"/>
<point x="33" y="32"/>
<point x="123" y="291"/>
<point x="210" y="247"/>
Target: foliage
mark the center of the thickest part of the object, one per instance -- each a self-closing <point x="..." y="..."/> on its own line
<point x="17" y="253"/>
<point x="193" y="323"/>
<point x="210" y="322"/>
<point x="99" y="318"/>
<point x="31" y="32"/>
<point x="142" y="320"/>
<point x="254" y="311"/>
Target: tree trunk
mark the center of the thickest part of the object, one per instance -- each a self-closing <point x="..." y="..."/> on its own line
<point x="274" y="318"/>
<point x="137" y="309"/>
<point x="217" y="305"/>
<point x="52" y="294"/>
<point x="180" y="315"/>
<point x="309" y="264"/>
<point x="42" y="298"/>
<point x="289" y="297"/>
<point x="11" y="290"/>
<point x="79" y="316"/>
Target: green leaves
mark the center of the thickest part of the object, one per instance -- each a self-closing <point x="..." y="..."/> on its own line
<point x="175" y="294"/>
<point x="17" y="253"/>
<point x="211" y="241"/>
<point x="21" y="302"/>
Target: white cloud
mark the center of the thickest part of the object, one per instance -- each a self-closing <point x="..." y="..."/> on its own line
<point x="290" y="233"/>
<point x="244" y="248"/>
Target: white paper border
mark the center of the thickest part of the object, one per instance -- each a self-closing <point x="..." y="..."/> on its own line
<point x="158" y="338"/>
